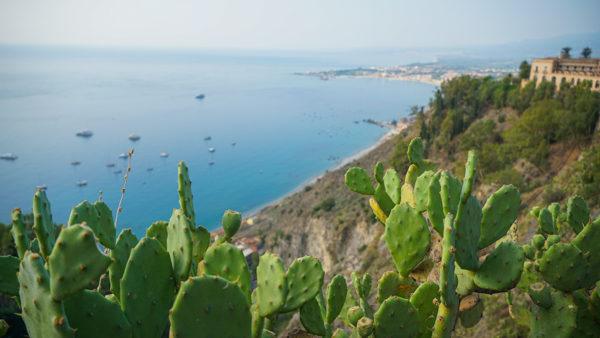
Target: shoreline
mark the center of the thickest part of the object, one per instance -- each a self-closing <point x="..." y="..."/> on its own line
<point x="401" y="126"/>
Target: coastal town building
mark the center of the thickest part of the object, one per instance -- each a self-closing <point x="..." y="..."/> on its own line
<point x="570" y="70"/>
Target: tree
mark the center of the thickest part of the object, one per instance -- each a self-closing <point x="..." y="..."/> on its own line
<point x="586" y="53"/>
<point x="524" y="69"/>
<point x="565" y="53"/>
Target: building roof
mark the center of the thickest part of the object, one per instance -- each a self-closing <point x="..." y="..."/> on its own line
<point x="571" y="60"/>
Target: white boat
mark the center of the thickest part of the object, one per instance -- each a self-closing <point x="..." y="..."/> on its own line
<point x="84" y="133"/>
<point x="8" y="156"/>
<point x="123" y="155"/>
<point x="207" y="138"/>
<point x="211" y="150"/>
<point x="164" y="154"/>
<point x="75" y="163"/>
<point x="82" y="183"/>
<point x="41" y="187"/>
<point x="134" y="137"/>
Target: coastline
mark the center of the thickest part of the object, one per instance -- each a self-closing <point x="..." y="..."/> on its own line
<point x="400" y="127"/>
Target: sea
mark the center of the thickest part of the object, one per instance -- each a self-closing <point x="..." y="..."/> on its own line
<point x="270" y="128"/>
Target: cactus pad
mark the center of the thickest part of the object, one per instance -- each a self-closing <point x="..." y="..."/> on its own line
<point x="99" y="218"/>
<point x="392" y="185"/>
<point x="184" y="189"/>
<point x="93" y="316"/>
<point x="19" y="233"/>
<point x="271" y="286"/>
<point x="227" y="261"/>
<point x="587" y="241"/>
<point x="147" y="289"/>
<point x="75" y="262"/>
<point x="415" y="151"/>
<point x="120" y="255"/>
<point x="382" y="198"/>
<point x="391" y="284"/>
<point x="501" y="269"/>
<point x="210" y="306"/>
<point x="421" y="190"/>
<point x="179" y="244"/>
<point x="231" y="222"/>
<point x="546" y="221"/>
<point x="9" y="284"/>
<point x="304" y="279"/>
<point x="563" y="266"/>
<point x="158" y="230"/>
<point x="310" y="316"/>
<point x="499" y="213"/>
<point x="557" y="321"/>
<point x="43" y="227"/>
<point x="43" y="316"/>
<point x="201" y="241"/>
<point x="378" y="172"/>
<point x="450" y="188"/>
<point x="470" y="310"/>
<point x="336" y="297"/>
<point x="467" y="234"/>
<point x="464" y="277"/>
<point x="578" y="213"/>
<point x="424" y="299"/>
<point x="537" y="241"/>
<point x="396" y="317"/>
<point x="435" y="210"/>
<point x="358" y="180"/>
<point x="407" y="237"/>
<point x="377" y="211"/>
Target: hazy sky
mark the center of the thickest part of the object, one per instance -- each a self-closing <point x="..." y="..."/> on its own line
<point x="301" y="24"/>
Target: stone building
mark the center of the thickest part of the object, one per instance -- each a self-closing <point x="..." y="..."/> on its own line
<point x="571" y="70"/>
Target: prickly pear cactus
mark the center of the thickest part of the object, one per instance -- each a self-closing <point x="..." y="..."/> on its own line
<point x="231" y="223"/>
<point x="396" y="317"/>
<point x="179" y="244"/>
<point x="120" y="255"/>
<point x="304" y="279"/>
<point x="99" y="218"/>
<point x="425" y="299"/>
<point x="564" y="267"/>
<point x="227" y="261"/>
<point x="558" y="320"/>
<point x="499" y="213"/>
<point x="501" y="270"/>
<point x="578" y="213"/>
<point x="43" y="316"/>
<point x="391" y="284"/>
<point x="19" y="233"/>
<point x="75" y="262"/>
<point x="201" y="241"/>
<point x="43" y="227"/>
<point x="210" y="306"/>
<point x="336" y="297"/>
<point x="393" y="185"/>
<point x="158" y="230"/>
<point x="148" y="289"/>
<point x="312" y="319"/>
<point x="271" y="288"/>
<point x="93" y="316"/>
<point x="358" y="180"/>
<point x="184" y="189"/>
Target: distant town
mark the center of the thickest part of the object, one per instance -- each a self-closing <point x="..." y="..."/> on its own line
<point x="433" y="73"/>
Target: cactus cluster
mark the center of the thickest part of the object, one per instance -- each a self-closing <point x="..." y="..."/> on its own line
<point x="70" y="278"/>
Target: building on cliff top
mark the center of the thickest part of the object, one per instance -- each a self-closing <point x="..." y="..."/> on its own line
<point x="558" y="70"/>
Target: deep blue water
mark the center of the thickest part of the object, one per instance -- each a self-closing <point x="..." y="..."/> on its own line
<point x="287" y="128"/>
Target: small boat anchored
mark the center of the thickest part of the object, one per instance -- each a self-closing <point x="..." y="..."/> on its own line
<point x="110" y="165"/>
<point x="8" y="156"/>
<point x="208" y="138"/>
<point x="200" y="97"/>
<point x="82" y="183"/>
<point x="164" y="154"/>
<point x="86" y="133"/>
<point x="211" y="150"/>
<point x="75" y="163"/>
<point x="123" y="156"/>
<point x="134" y="137"/>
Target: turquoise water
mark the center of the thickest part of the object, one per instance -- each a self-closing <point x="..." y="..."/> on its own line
<point x="286" y="128"/>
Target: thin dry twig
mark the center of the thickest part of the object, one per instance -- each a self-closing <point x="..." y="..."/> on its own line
<point x="124" y="187"/>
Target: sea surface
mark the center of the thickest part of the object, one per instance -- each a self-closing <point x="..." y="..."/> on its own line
<point x="271" y="129"/>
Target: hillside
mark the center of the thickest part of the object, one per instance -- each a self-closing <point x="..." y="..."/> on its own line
<point x="328" y="221"/>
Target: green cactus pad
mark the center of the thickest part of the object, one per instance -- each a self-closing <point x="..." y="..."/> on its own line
<point x="499" y="213"/>
<point x="554" y="209"/>
<point x="19" y="233"/>
<point x="421" y="190"/>
<point x="208" y="307"/>
<point x="546" y="222"/>
<point x="450" y="188"/>
<point x="529" y="251"/>
<point x="201" y="240"/>
<point x="470" y="310"/>
<point x="435" y="210"/>
<point x="231" y="222"/>
<point x="75" y="262"/>
<point x="184" y="189"/>
<point x="540" y="294"/>
<point x="391" y="284"/>
<point x="467" y="234"/>
<point x="586" y="325"/>
<point x="415" y="151"/>
<point x="412" y="173"/>
<point x="587" y="241"/>
<point x="34" y="246"/>
<point x="358" y="180"/>
<point x="564" y="267"/>
<point x="501" y="269"/>
<point x="158" y="230"/>
<point x="551" y="240"/>
<point x="271" y="287"/>
<point x="179" y="244"/>
<point x="354" y="314"/>
<point x="336" y="297"/>
<point x="464" y="277"/>
<point x="382" y="198"/>
<point x="147" y="289"/>
<point x="538" y="241"/>
<point x="120" y="255"/>
<point x="425" y="300"/>
<point x="557" y="321"/>
<point x="362" y="284"/>
<point x="396" y="317"/>
<point x="227" y="261"/>
<point x="258" y="322"/>
<point x="43" y="227"/>
<point x="9" y="284"/>
<point x="364" y="327"/>
<point x="578" y="213"/>
<point x="392" y="184"/>
<point x="310" y="316"/>
<point x="378" y="172"/>
<point x="407" y="237"/>
<point x="43" y="316"/>
<point x="99" y="218"/>
<point x="448" y="281"/>
<point x="93" y="316"/>
<point x="304" y="279"/>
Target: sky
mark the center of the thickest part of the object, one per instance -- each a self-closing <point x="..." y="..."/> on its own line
<point x="291" y="24"/>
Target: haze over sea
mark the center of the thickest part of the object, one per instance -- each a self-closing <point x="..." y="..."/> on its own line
<point x="286" y="128"/>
